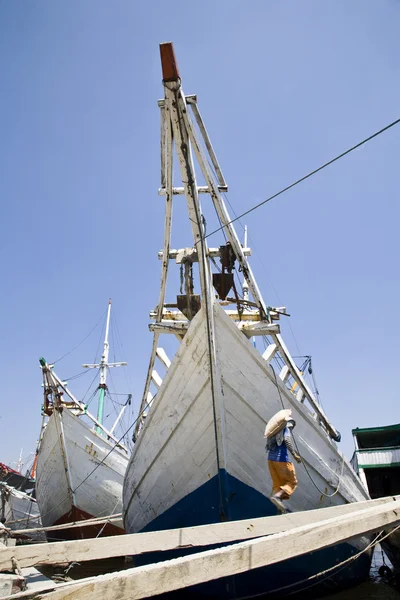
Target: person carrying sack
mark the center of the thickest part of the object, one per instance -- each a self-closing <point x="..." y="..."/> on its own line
<point x="281" y="468"/>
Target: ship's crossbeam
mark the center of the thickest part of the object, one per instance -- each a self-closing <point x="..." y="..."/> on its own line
<point x="182" y="253"/>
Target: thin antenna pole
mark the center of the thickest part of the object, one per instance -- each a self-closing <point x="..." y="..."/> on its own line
<point x="19" y="465"/>
<point x="245" y="285"/>
<point x="103" y="366"/>
<point x="103" y="370"/>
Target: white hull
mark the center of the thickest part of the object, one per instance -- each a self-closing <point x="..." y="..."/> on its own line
<point x="176" y="451"/>
<point x="19" y="511"/>
<point x="76" y="476"/>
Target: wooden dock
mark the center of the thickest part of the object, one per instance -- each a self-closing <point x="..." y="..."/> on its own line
<point x="255" y="543"/>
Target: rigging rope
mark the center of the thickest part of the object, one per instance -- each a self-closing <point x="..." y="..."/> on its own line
<point x="377" y="540"/>
<point x="330" y="162"/>
<point x="80" y="343"/>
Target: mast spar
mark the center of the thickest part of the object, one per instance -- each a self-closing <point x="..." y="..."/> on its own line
<point x="183" y="130"/>
<point x="103" y="365"/>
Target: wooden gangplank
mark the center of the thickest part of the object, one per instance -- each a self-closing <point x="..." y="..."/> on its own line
<point x="172" y="539"/>
<point x="343" y="523"/>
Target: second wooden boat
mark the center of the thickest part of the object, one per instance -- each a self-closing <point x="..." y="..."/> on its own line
<point x="19" y="511"/>
<point x="80" y="464"/>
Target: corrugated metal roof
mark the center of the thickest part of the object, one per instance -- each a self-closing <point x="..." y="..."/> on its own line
<point x="377" y="458"/>
<point x="373" y="429"/>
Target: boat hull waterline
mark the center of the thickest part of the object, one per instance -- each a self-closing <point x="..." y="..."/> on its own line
<point x="175" y="478"/>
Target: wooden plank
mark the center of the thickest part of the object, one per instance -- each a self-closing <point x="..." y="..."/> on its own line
<point x="98" y="521"/>
<point x="170" y="327"/>
<point x="261" y="328"/>
<point x="284" y="374"/>
<point x="162" y="356"/>
<point x="167" y="175"/>
<point x="203" y="535"/>
<point x="151" y="580"/>
<point x="201" y="189"/>
<point x="270" y="352"/>
<point x="178" y="316"/>
<point x="211" y="252"/>
<point x="169" y="65"/>
<point x="156" y="379"/>
<point x="207" y="141"/>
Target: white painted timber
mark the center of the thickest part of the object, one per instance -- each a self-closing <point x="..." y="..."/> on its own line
<point x="204" y="535"/>
<point x="270" y="352"/>
<point x="152" y="580"/>
<point x="73" y="524"/>
<point x="156" y="379"/>
<point x="207" y="141"/>
<point x="284" y="374"/>
<point x="211" y="252"/>
<point x="80" y="471"/>
<point x="169" y="327"/>
<point x="166" y="178"/>
<point x="260" y="328"/>
<point x="177" y="315"/>
<point x="201" y="189"/>
<point x="162" y="355"/>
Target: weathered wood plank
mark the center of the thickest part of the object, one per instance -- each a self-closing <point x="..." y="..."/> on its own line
<point x="156" y="379"/>
<point x="162" y="356"/>
<point x="73" y="524"/>
<point x="260" y="328"/>
<point x="169" y="327"/>
<point x="139" y="543"/>
<point x="205" y="566"/>
<point x="284" y="374"/>
<point x="270" y="352"/>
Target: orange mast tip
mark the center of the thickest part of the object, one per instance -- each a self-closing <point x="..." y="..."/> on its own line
<point x="168" y="62"/>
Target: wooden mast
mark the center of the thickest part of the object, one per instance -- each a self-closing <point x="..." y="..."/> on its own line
<point x="178" y="126"/>
<point x="103" y="365"/>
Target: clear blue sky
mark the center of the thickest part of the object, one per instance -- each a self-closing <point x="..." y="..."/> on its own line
<point x="283" y="87"/>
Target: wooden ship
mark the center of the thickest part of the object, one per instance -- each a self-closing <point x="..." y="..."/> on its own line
<point x="80" y="464"/>
<point x="199" y="454"/>
<point x="18" y="506"/>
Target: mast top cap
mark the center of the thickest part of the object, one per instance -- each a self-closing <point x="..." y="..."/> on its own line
<point x="169" y="65"/>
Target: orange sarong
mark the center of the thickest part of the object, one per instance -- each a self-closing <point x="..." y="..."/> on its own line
<point x="283" y="476"/>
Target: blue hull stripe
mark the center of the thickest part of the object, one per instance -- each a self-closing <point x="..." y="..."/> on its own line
<point x="243" y="502"/>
